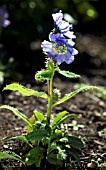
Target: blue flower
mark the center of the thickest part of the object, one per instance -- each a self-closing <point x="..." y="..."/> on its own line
<point x="60" y="48"/>
<point x="63" y="26"/>
<point x="4" y="22"/>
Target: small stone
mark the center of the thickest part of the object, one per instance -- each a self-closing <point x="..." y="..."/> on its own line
<point x="99" y="159"/>
<point x="101" y="103"/>
<point x="91" y="165"/>
<point x="5" y="146"/>
<point x="104" y="113"/>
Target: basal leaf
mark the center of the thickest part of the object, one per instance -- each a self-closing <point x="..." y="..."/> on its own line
<point x="22" y="138"/>
<point x="25" y="91"/>
<point x="75" y="142"/>
<point x="72" y="94"/>
<point x="39" y="116"/>
<point x="55" y="136"/>
<point x="56" y="155"/>
<point x="39" y="132"/>
<point x="74" y="153"/>
<point x="17" y="113"/>
<point x="35" y="156"/>
<point x="53" y="159"/>
<point x="59" y="116"/>
<point x="10" y="155"/>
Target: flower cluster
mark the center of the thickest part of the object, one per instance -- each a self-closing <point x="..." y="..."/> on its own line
<point x="4" y="22"/>
<point x="61" y="44"/>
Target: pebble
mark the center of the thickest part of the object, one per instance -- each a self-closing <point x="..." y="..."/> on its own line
<point x="91" y="165"/>
<point x="5" y="146"/>
<point x="104" y="113"/>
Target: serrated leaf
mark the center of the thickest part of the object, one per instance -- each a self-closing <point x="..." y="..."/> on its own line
<point x="38" y="133"/>
<point x="25" y="91"/>
<point x="17" y="113"/>
<point x="43" y="75"/>
<point x="68" y="74"/>
<point x="35" y="156"/>
<point x="102" y="92"/>
<point x="56" y="155"/>
<point x="22" y="138"/>
<point x="72" y="94"/>
<point x="10" y="155"/>
<point x="55" y="136"/>
<point x="58" y="117"/>
<point x="53" y="159"/>
<point x="64" y="140"/>
<point x="71" y="116"/>
<point x="75" y="142"/>
<point x="39" y="116"/>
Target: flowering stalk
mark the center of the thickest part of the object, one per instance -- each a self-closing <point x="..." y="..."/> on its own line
<point x="50" y="97"/>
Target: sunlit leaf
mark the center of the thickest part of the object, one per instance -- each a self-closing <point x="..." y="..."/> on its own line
<point x="39" y="116"/>
<point x="17" y="113"/>
<point x="68" y="74"/>
<point x="58" y="117"/>
<point x="43" y="75"/>
<point x="10" y="155"/>
<point x="72" y="94"/>
<point x="62" y="120"/>
<point x="22" y="138"/>
<point x="25" y="91"/>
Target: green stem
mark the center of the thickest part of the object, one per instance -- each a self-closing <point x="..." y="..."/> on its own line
<point x="50" y="98"/>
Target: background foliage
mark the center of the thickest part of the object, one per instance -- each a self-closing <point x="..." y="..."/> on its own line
<point x="31" y="22"/>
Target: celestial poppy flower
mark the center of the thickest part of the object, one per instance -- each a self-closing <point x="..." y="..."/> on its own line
<point x="60" y="48"/>
<point x="62" y="26"/>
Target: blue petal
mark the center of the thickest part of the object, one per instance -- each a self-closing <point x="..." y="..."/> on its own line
<point x="46" y="45"/>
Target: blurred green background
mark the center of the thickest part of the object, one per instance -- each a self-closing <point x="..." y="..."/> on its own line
<point x="31" y="22"/>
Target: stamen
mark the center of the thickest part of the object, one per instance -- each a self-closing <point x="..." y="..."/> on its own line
<point x="60" y="48"/>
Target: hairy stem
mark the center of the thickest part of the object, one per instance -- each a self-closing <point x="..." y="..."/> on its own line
<point x="50" y="98"/>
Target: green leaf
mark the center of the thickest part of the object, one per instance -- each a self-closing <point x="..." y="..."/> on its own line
<point x="72" y="94"/>
<point x="35" y="156"/>
<point x="43" y="75"/>
<point x="67" y="73"/>
<point x="55" y="136"/>
<point x="38" y="133"/>
<point x="32" y="122"/>
<point x="22" y="138"/>
<point x="17" y="113"/>
<point x="74" y="153"/>
<point x="58" y="117"/>
<point x="39" y="116"/>
<point x="56" y="155"/>
<point x="75" y="142"/>
<point x="24" y="91"/>
<point x="10" y="155"/>
<point x="71" y="116"/>
<point x="102" y="92"/>
<point x="64" y="140"/>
